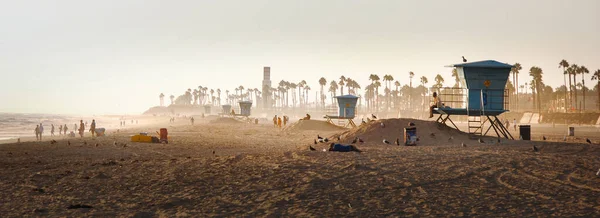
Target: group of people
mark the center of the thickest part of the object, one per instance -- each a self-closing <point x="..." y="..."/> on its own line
<point x="62" y="129"/>
<point x="280" y="121"/>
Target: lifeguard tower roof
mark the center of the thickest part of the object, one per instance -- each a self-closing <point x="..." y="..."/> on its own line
<point x="483" y="64"/>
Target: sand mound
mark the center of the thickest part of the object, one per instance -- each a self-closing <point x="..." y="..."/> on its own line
<point x="374" y="133"/>
<point x="225" y="120"/>
<point x="317" y="125"/>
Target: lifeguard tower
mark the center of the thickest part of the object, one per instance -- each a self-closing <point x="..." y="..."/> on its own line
<point x="226" y="110"/>
<point x="245" y="108"/>
<point x="207" y="109"/>
<point x="482" y="97"/>
<point x="346" y="111"/>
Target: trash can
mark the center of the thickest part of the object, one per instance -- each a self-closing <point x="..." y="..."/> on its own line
<point x="571" y="131"/>
<point x="164" y="135"/>
<point x="525" y="132"/>
<point x="410" y="136"/>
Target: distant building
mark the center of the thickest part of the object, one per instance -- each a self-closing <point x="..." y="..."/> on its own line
<point x="267" y="102"/>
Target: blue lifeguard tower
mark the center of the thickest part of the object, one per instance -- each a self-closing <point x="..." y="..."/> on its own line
<point x="482" y="98"/>
<point x="245" y="108"/>
<point x="346" y="110"/>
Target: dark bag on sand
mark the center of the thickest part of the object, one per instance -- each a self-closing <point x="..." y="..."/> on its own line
<point x="155" y="139"/>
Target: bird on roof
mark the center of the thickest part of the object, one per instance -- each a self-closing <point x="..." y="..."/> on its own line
<point x="311" y="148"/>
<point x="464" y="60"/>
<point x="588" y="141"/>
<point x="535" y="149"/>
<point x="385" y="141"/>
<point x="374" y="117"/>
<point x="397" y="141"/>
<point x="544" y="137"/>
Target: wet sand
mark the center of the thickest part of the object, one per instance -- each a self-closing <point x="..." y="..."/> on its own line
<point x="258" y="170"/>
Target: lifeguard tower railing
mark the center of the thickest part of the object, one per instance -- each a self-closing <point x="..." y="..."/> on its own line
<point x="489" y="104"/>
<point x="459" y="97"/>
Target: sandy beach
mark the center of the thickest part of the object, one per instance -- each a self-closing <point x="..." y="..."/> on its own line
<point x="222" y="168"/>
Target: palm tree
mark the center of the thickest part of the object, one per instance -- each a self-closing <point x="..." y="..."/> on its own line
<point x="341" y="83"/>
<point x="172" y="97"/>
<point x="439" y="81"/>
<point x="306" y="89"/>
<point x="301" y="96"/>
<point x="323" y="83"/>
<point x="583" y="70"/>
<point x="537" y="84"/>
<point x="515" y="71"/>
<point x="227" y="94"/>
<point x="219" y="96"/>
<point x="410" y="75"/>
<point x="424" y="81"/>
<point x="162" y="99"/>
<point x="564" y="64"/>
<point x="333" y="86"/>
<point x="596" y="76"/>
<point x="397" y="84"/>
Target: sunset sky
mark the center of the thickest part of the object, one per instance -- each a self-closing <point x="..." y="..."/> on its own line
<point x="108" y="57"/>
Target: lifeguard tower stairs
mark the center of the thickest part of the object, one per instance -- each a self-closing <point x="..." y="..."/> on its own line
<point x="481" y="97"/>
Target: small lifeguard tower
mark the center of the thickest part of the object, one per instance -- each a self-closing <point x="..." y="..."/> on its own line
<point x="207" y="109"/>
<point x="482" y="97"/>
<point x="245" y="108"/>
<point x="346" y="110"/>
<point x="226" y="110"/>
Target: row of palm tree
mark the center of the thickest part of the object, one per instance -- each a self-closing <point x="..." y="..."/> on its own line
<point x="394" y="94"/>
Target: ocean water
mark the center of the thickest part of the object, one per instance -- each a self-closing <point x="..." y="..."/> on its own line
<point x="17" y="125"/>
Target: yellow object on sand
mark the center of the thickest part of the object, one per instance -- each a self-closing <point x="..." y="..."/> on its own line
<point x="141" y="138"/>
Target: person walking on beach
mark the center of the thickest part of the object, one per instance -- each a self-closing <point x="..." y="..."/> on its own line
<point x="192" y="120"/>
<point x="52" y="130"/>
<point x="279" y="122"/>
<point x="37" y="132"/>
<point x="60" y="129"/>
<point x="93" y="128"/>
<point x="81" y="128"/>
<point x="41" y="131"/>
<point x="275" y="121"/>
<point x="65" y="129"/>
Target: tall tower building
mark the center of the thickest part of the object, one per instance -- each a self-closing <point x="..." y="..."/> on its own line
<point x="266" y="88"/>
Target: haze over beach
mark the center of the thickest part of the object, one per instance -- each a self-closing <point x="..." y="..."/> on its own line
<point x="300" y="108"/>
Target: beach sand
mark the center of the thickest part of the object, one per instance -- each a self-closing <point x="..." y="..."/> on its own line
<point x="259" y="170"/>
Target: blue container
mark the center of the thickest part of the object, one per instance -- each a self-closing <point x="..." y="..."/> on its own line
<point x="485" y="81"/>
<point x="245" y="108"/>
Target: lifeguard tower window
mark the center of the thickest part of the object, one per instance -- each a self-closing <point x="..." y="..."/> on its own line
<point x="482" y="94"/>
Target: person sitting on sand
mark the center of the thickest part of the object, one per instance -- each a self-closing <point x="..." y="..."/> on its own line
<point x="93" y="128"/>
<point x="307" y="117"/>
<point x="343" y="148"/>
<point x="437" y="103"/>
<point x="37" y="132"/>
<point x="81" y="128"/>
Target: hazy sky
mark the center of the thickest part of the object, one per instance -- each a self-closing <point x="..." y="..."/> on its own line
<point x="109" y="56"/>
